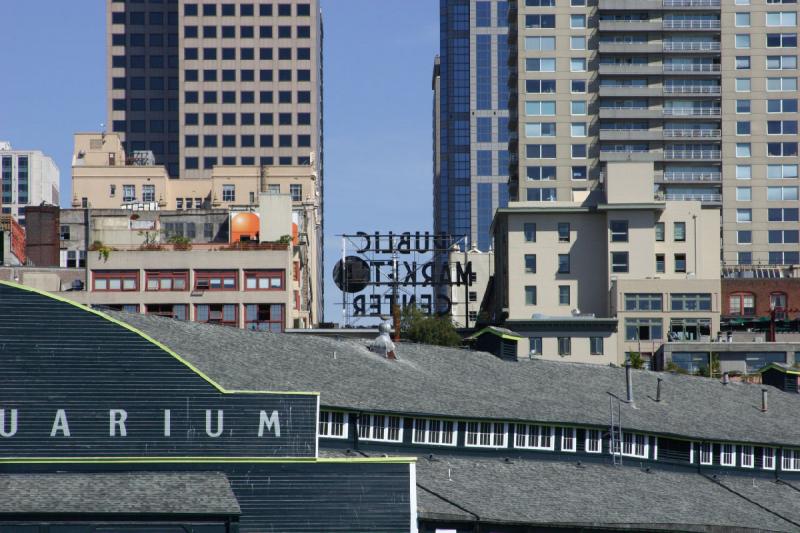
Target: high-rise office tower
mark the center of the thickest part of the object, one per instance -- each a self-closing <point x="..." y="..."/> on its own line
<point x="704" y="89"/>
<point x="470" y="83"/>
<point x="200" y="84"/>
<point x="27" y="177"/>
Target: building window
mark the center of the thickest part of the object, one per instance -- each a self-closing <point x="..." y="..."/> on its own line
<point x="742" y="304"/>
<point x="563" y="295"/>
<point x="634" y="445"/>
<point x="225" y="280"/>
<point x="166" y="280"/>
<point x="76" y="259"/>
<point x="660" y="263"/>
<point x="529" y="229"/>
<point x="115" y="280"/>
<point x="619" y="262"/>
<point x="333" y="424"/>
<point x="263" y="280"/>
<point x="594" y="441"/>
<point x="535" y="346"/>
<point x="596" y="345"/>
<point x="530" y="263"/>
<point x="563" y="263"/>
<point x="778" y="303"/>
<point x="746" y="456"/>
<point x="643" y="302"/>
<point x="129" y="193"/>
<point x="222" y="314"/>
<point x="568" y="441"/>
<point x="534" y="437"/>
<point x="659" y="231"/>
<point x="148" y="193"/>
<point x="530" y="295"/>
<point x="434" y="431"/>
<point x="380" y="428"/>
<point x="679" y="229"/>
<point x="690" y="301"/>
<point x="790" y="459"/>
<point x="176" y="311"/>
<point x="564" y="346"/>
<point x="264" y="317"/>
<point x="680" y="262"/>
<point x="486" y="435"/>
<point x="229" y="193"/>
<point x="296" y="191"/>
<point x="563" y="232"/>
<point x="619" y="231"/>
<point x="64" y="233"/>
<point x="727" y="455"/>
<point x="643" y="329"/>
<point x="768" y="458"/>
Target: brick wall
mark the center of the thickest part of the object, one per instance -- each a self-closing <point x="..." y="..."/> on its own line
<point x="761" y="289"/>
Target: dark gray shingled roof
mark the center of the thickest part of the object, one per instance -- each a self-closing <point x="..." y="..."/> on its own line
<point x="560" y="493"/>
<point x="468" y="384"/>
<point x="197" y="493"/>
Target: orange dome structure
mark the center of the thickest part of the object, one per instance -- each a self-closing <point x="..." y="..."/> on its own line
<point x="245" y="227"/>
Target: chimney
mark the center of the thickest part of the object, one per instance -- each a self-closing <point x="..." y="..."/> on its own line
<point x="658" y="389"/>
<point x="764" y="400"/>
<point x="629" y="381"/>
<point x="725" y="378"/>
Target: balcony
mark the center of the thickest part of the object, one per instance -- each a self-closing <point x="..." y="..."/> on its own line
<point x="691" y="46"/>
<point x="691" y="4"/>
<point x="629" y="135"/>
<point x="692" y="133"/>
<point x="636" y="5"/>
<point x="691" y="69"/>
<point x="691" y="25"/>
<point x="630" y="48"/>
<point x="628" y="91"/>
<point x="692" y="112"/>
<point x="692" y="90"/>
<point x="709" y="198"/>
<point x="631" y="112"/>
<point x="692" y="177"/>
<point x="630" y="25"/>
<point x="629" y="70"/>
<point x="631" y="155"/>
<point x="692" y="155"/>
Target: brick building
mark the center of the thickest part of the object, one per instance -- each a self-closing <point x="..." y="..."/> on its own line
<point x="751" y="297"/>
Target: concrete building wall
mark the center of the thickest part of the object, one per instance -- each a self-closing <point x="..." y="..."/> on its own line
<point x="466" y="300"/>
<point x="27" y="177"/>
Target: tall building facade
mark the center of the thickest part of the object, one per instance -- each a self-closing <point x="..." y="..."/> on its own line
<point x="27" y="177"/>
<point x="217" y="83"/>
<point x="704" y="89"/>
<point x="470" y="84"/>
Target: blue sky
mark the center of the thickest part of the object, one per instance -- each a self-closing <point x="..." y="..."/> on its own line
<point x="378" y="103"/>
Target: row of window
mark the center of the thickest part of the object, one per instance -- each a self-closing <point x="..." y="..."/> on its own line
<point x="245" y="10"/>
<point x="744" y="303"/>
<point x="210" y="162"/>
<point x="242" y="97"/>
<point x="244" y="32"/>
<point x="442" y="432"/>
<point x="680" y="329"/>
<point x="678" y="302"/>
<point x="178" y="280"/>
<point x="257" y="317"/>
<point x="564" y="345"/>
<point x="248" y="141"/>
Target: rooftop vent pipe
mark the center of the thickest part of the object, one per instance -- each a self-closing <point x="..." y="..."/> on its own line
<point x="658" y="389"/>
<point x="629" y="381"/>
<point x="764" y="400"/>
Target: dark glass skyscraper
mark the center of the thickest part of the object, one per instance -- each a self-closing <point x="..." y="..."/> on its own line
<point x="471" y="118"/>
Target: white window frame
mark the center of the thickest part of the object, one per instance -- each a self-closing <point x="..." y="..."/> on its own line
<point x="373" y="431"/>
<point x="631" y="448"/>
<point x="432" y="436"/>
<point x="727" y="454"/>
<point x="790" y="460"/>
<point x="477" y="430"/>
<point x="706" y="456"/>
<point x="567" y="435"/>
<point x="747" y="456"/>
<point x="593" y="441"/>
<point x="768" y="458"/>
<point x="327" y="424"/>
<point x="543" y="438"/>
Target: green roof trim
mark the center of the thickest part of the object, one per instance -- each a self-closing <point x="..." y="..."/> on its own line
<point x="780" y="368"/>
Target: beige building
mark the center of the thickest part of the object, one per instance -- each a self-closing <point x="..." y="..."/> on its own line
<point x="104" y="178"/>
<point x="465" y="301"/>
<point x="621" y="272"/>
